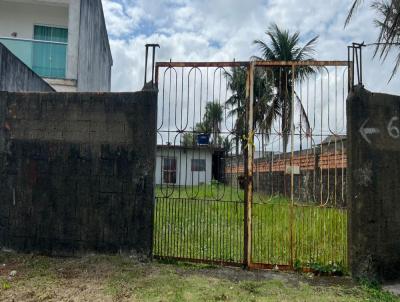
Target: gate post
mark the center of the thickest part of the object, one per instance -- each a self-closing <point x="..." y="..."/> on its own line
<point x="249" y="154"/>
<point x="373" y="184"/>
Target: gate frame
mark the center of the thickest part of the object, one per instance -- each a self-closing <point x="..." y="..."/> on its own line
<point x="249" y="149"/>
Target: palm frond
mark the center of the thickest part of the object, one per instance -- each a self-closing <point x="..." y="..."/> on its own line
<point x="352" y="10"/>
<point x="256" y="58"/>
<point x="267" y="52"/>
<point x="304" y="116"/>
<point x="388" y="22"/>
<point x="269" y="105"/>
<point x="389" y="35"/>
<point x="307" y="50"/>
<point x="273" y="112"/>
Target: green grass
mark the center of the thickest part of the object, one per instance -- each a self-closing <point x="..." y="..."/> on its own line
<point x="204" y="223"/>
<point x="216" y="191"/>
<point x="123" y="278"/>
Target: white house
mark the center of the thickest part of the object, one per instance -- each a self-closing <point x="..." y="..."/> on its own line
<point x="182" y="166"/>
<point x="63" y="41"/>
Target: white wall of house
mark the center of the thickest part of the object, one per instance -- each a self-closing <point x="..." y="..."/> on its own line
<point x="184" y="173"/>
<point x="20" y="17"/>
<point x="88" y="58"/>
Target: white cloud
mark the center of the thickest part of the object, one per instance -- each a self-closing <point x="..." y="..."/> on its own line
<point x="212" y="30"/>
<point x="121" y="20"/>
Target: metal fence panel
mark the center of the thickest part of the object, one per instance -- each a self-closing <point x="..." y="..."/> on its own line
<point x="238" y="183"/>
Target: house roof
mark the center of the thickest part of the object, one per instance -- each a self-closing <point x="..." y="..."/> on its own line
<point x="333" y="138"/>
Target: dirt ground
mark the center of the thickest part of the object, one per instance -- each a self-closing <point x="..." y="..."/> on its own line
<point x="125" y="278"/>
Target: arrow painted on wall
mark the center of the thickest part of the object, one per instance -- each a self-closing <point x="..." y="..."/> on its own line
<point x="364" y="131"/>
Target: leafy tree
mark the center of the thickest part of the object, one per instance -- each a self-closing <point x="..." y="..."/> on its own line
<point x="226" y="144"/>
<point x="211" y="124"/>
<point x="388" y="22"/>
<point x="212" y="120"/>
<point x="188" y="140"/>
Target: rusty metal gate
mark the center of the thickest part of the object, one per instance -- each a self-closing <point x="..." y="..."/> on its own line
<point x="251" y="163"/>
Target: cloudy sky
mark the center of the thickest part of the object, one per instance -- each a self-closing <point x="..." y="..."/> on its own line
<point x="223" y="30"/>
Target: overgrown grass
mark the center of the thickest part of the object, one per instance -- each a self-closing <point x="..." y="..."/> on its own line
<point x="375" y="293"/>
<point x="122" y="278"/>
<point x="200" y="223"/>
<point x="215" y="191"/>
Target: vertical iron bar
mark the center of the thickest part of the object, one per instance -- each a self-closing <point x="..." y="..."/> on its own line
<point x="357" y="63"/>
<point x="181" y="226"/>
<point x="361" y="74"/>
<point x="152" y="66"/>
<point x="145" y="65"/>
<point x="291" y="218"/>
<point x="350" y="75"/>
<point x="249" y="165"/>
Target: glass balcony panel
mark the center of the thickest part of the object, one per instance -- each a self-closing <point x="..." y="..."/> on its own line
<point x="47" y="59"/>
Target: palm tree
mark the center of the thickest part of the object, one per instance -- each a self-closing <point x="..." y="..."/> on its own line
<point x="388" y="22"/>
<point x="212" y="119"/>
<point x="237" y="102"/>
<point x="284" y="46"/>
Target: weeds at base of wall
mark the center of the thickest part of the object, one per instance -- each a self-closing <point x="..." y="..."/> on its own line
<point x="375" y="292"/>
<point x="319" y="269"/>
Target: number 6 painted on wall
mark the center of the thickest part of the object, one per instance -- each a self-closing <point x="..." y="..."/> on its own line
<point x="393" y="131"/>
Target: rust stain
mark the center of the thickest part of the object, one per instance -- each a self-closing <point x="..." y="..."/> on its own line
<point x="32" y="173"/>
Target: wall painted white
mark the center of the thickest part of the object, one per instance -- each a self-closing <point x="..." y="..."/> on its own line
<point x="62" y="85"/>
<point x="88" y="59"/>
<point x="74" y="19"/>
<point x="21" y="17"/>
<point x="45" y="2"/>
<point x="184" y="174"/>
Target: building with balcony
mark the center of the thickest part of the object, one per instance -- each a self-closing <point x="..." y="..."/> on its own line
<point x="63" y="41"/>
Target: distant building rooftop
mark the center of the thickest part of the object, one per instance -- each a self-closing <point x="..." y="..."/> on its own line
<point x="334" y="138"/>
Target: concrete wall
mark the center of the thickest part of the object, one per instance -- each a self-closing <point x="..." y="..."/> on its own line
<point x="318" y="186"/>
<point x="15" y="76"/>
<point x="77" y="172"/>
<point x="374" y="184"/>
<point x="184" y="173"/>
<point x="95" y="61"/>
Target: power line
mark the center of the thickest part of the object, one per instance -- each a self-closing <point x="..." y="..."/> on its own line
<point x="381" y="43"/>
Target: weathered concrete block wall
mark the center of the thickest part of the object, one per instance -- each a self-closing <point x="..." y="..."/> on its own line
<point x="15" y="76"/>
<point x="95" y="60"/>
<point x="374" y="184"/>
<point x="77" y="171"/>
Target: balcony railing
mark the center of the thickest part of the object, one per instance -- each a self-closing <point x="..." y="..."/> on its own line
<point x="47" y="59"/>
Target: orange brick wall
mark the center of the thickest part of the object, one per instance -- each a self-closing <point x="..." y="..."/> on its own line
<point x="328" y="160"/>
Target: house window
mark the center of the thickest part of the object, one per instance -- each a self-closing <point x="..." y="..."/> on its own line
<point x="198" y="165"/>
<point x="49" y="59"/>
<point x="169" y="170"/>
<point x="49" y="33"/>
